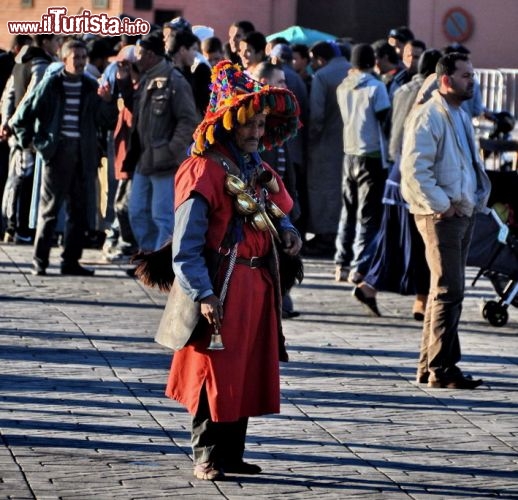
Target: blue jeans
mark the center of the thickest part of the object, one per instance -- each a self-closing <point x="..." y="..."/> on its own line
<point x="151" y="210"/>
<point x="363" y="183"/>
<point x="447" y="244"/>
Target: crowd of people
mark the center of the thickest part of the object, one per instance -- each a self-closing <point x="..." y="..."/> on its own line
<point x="314" y="148"/>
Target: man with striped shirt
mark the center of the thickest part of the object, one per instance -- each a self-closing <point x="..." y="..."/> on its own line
<point x="62" y="119"/>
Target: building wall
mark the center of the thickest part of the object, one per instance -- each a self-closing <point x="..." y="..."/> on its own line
<point x="493" y="40"/>
<point x="362" y="20"/>
<point x="11" y="10"/>
<point x="268" y="16"/>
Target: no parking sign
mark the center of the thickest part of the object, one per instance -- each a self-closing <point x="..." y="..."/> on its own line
<point x="457" y="24"/>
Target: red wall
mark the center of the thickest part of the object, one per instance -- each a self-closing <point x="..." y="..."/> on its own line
<point x="494" y="37"/>
<point x="267" y="15"/>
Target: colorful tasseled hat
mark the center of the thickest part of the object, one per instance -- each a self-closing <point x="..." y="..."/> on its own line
<point x="235" y="98"/>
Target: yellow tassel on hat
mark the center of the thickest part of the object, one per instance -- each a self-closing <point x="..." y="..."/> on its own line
<point x="200" y="143"/>
<point x="227" y="120"/>
<point x="250" y="112"/>
<point x="210" y="134"/>
<point x="241" y="115"/>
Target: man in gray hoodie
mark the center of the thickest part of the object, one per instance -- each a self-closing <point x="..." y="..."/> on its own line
<point x="364" y="104"/>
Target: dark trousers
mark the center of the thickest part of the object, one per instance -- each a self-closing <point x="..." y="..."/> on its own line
<point x="362" y="191"/>
<point x="446" y="246"/>
<point x="4" y="170"/>
<point x="122" y="211"/>
<point x="62" y="181"/>
<point x="16" y="202"/>
<point x="218" y="442"/>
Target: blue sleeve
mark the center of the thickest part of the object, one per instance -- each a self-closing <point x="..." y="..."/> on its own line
<point x="285" y="224"/>
<point x="191" y="224"/>
<point x="109" y="76"/>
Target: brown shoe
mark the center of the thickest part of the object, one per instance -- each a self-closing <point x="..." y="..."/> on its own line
<point x="341" y="273"/>
<point x="422" y="377"/>
<point x="207" y="471"/>
<point x="460" y="382"/>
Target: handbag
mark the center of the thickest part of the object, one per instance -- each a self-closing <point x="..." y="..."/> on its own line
<point x="180" y="320"/>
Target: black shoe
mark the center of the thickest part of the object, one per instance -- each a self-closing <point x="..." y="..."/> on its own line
<point x="22" y="240"/>
<point x="460" y="382"/>
<point x="368" y="302"/>
<point x="290" y="314"/>
<point x="76" y="270"/>
<point x="131" y="272"/>
<point x="242" y="468"/>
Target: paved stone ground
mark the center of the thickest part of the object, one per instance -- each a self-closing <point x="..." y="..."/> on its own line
<point x="83" y="415"/>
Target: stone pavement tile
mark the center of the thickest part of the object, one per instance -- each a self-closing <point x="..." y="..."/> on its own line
<point x="84" y="415"/>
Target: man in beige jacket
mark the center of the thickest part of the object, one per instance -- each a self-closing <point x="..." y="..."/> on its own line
<point x="444" y="182"/>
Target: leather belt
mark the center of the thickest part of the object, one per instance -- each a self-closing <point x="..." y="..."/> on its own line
<point x="253" y="262"/>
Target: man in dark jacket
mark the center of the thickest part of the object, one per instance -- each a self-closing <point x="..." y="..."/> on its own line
<point x="7" y="62"/>
<point x="164" y="118"/>
<point x="27" y="73"/>
<point x="62" y="118"/>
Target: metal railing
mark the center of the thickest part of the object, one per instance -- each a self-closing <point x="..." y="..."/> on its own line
<point x="499" y="89"/>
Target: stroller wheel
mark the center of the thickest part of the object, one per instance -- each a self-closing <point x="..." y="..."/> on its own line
<point x="495" y="313"/>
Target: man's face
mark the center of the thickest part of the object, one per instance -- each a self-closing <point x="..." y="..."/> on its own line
<point x="316" y="62"/>
<point x="168" y="34"/>
<point x="397" y="44"/>
<point x="235" y="35"/>
<point x="187" y="55"/>
<point x="299" y="64"/>
<point x="51" y="45"/>
<point x="249" y="57"/>
<point x="248" y="136"/>
<point x="278" y="79"/>
<point x="411" y="57"/>
<point x="214" y="57"/>
<point x="461" y="82"/>
<point x="382" y="65"/>
<point x="75" y="61"/>
<point x="144" y="58"/>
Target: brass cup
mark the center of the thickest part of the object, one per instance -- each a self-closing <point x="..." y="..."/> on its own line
<point x="234" y="185"/>
<point x="274" y="210"/>
<point x="258" y="221"/>
<point x="245" y="204"/>
<point x="262" y="222"/>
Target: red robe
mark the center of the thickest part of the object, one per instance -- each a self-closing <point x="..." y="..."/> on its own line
<point x="243" y="379"/>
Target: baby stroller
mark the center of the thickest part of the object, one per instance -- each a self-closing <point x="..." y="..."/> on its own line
<point x="494" y="248"/>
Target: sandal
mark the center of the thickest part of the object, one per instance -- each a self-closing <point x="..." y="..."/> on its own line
<point x="207" y="471"/>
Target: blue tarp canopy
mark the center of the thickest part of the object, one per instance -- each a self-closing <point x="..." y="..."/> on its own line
<point x="298" y="34"/>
